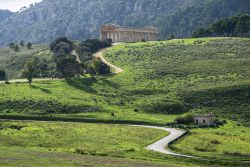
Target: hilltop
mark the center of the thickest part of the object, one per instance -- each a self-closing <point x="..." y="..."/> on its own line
<point x="48" y="20"/>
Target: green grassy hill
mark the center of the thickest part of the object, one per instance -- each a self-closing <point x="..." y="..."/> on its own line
<point x="13" y="62"/>
<point x="191" y="75"/>
<point x="161" y="81"/>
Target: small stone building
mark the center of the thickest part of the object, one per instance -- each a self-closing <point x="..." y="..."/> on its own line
<point x="204" y="119"/>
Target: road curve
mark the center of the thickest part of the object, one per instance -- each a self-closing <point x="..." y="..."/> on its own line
<point x="161" y="145"/>
<point x="99" y="54"/>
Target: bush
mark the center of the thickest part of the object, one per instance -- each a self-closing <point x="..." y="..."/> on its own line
<point x="188" y="119"/>
<point x="214" y="141"/>
<point x="29" y="45"/>
<point x="2" y="75"/>
<point x="59" y="40"/>
<point x="100" y="67"/>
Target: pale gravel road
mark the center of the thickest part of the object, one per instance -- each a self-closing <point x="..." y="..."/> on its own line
<point x="161" y="145"/>
<point x="99" y="54"/>
<point x="158" y="146"/>
<point x="26" y="81"/>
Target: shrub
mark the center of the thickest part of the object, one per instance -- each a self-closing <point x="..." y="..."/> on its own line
<point x="214" y="141"/>
<point x="188" y="119"/>
<point x="2" y="75"/>
<point x="29" y="45"/>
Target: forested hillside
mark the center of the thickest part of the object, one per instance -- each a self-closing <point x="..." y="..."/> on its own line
<point x="81" y="19"/>
<point x="236" y="26"/>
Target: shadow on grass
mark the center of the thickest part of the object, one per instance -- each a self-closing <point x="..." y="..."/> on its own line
<point x="41" y="89"/>
<point x="83" y="84"/>
<point x="110" y="83"/>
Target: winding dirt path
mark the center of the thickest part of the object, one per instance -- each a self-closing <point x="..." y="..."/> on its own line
<point x="161" y="145"/>
<point x="158" y="146"/>
<point x="99" y="54"/>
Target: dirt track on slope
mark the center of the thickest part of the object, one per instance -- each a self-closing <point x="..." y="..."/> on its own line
<point x="100" y="55"/>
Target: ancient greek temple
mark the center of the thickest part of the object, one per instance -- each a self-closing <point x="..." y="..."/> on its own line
<point x="128" y="34"/>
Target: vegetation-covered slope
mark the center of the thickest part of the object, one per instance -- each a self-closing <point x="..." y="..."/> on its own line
<point x="13" y="62"/>
<point x="81" y="19"/>
<point x="195" y="75"/>
<point x="236" y="26"/>
<point x="160" y="80"/>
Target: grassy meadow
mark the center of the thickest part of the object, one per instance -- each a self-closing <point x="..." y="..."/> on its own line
<point x="89" y="139"/>
<point x="230" y="140"/>
<point x="161" y="81"/>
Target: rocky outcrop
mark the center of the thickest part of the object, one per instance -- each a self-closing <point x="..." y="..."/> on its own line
<point x="4" y="14"/>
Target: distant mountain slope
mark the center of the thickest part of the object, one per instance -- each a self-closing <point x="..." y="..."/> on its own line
<point x="4" y="14"/>
<point x="80" y="19"/>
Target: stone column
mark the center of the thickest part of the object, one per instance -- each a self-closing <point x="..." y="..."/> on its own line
<point x="108" y="35"/>
<point x="137" y="37"/>
<point x="114" y="37"/>
<point x="117" y="33"/>
<point x="125" y="37"/>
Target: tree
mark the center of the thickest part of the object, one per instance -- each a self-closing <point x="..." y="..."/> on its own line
<point x="16" y="48"/>
<point x="12" y="45"/>
<point x="68" y="66"/>
<point x="59" y="40"/>
<point x="22" y="43"/>
<point x="62" y="48"/>
<point x="107" y="42"/>
<point x="2" y="75"/>
<point x="238" y="25"/>
<point x="100" y="67"/>
<point x="29" y="70"/>
<point x="29" y="45"/>
<point x="172" y="36"/>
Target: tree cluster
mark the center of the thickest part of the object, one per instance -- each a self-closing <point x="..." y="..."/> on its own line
<point x="16" y="47"/>
<point x="85" y="50"/>
<point x="37" y="67"/>
<point x="69" y="65"/>
<point x="236" y="26"/>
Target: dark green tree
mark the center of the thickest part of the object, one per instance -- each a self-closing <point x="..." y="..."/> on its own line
<point x="29" y="70"/>
<point x="12" y="45"/>
<point x="172" y="36"/>
<point x="22" y="43"/>
<point x="16" y="48"/>
<point x="29" y="45"/>
<point x="68" y="66"/>
<point x="100" y="67"/>
<point x="59" y="40"/>
<point x="3" y="76"/>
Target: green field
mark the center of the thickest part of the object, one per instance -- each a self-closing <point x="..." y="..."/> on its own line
<point x="230" y="141"/>
<point x="161" y="81"/>
<point x="90" y="139"/>
<point x="73" y="144"/>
